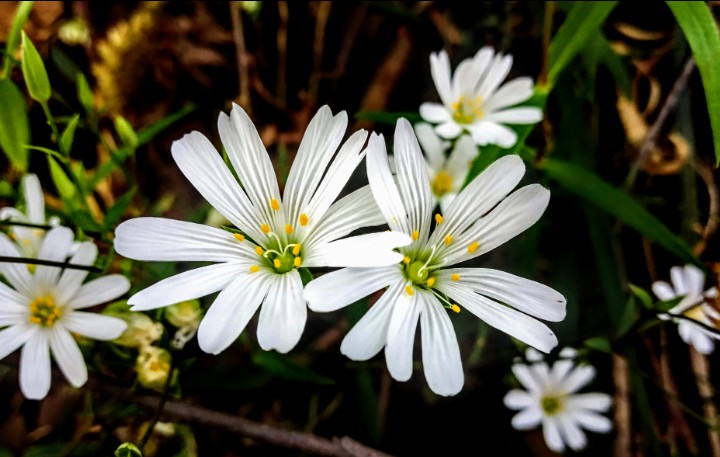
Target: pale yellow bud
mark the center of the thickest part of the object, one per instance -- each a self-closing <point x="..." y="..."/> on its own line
<point x="153" y="367"/>
<point x="184" y="314"/>
<point x="141" y="331"/>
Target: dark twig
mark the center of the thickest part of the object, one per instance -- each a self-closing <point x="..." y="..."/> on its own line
<point x="27" y="224"/>
<point x="706" y="173"/>
<point x="160" y="406"/>
<point x="241" y="56"/>
<point x="50" y="263"/>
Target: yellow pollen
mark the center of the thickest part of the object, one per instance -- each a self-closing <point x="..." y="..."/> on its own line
<point x="430" y="282"/>
<point x="455" y="308"/>
<point x="239" y="236"/>
<point x="303" y="219"/>
<point x="442" y="184"/>
<point x="297" y="262"/>
<point x="473" y="247"/>
<point x="455" y="277"/>
<point x="415" y="235"/>
<point x="277" y="263"/>
<point x="265" y="228"/>
<point x="467" y="110"/>
<point x="254" y="269"/>
<point x="31" y="267"/>
<point x="289" y="229"/>
<point x="695" y="312"/>
<point x="406" y="260"/>
<point x="26" y="242"/>
<point x="296" y="249"/>
<point x="259" y="250"/>
<point x="274" y="204"/>
<point x="38" y="233"/>
<point x="409" y="290"/>
<point x="438" y="219"/>
<point x="44" y="312"/>
<point x="448" y="240"/>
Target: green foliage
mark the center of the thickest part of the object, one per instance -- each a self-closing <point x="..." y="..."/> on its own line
<point x="33" y="68"/>
<point x="386" y="117"/>
<point x="126" y="132"/>
<point x="128" y="450"/>
<point x="279" y="366"/>
<point x="14" y="125"/>
<point x="68" y="135"/>
<point x="63" y="184"/>
<point x="701" y="32"/>
<point x="13" y="38"/>
<point x="115" y="213"/>
<point x="84" y="93"/>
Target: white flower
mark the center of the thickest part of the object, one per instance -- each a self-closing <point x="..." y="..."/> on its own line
<point x="447" y="176"/>
<point x="550" y="399"/>
<point x="688" y="282"/>
<point x="474" y="101"/>
<point x="422" y="286"/>
<point x="41" y="309"/>
<point x="279" y="236"/>
<point x="29" y="239"/>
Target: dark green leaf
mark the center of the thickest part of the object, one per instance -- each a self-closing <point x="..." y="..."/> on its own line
<point x="33" y="68"/>
<point x="115" y="213"/>
<point x="45" y="450"/>
<point x="14" y="125"/>
<point x="645" y="299"/>
<point x="599" y="343"/>
<point x="386" y="117"/>
<point x="305" y="275"/>
<point x="628" y="317"/>
<point x="68" y="135"/>
<point x="84" y="93"/>
<point x="280" y="367"/>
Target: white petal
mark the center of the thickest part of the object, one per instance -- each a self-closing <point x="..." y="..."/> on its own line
<point x="488" y="132"/>
<point x="460" y="160"/>
<point x="370" y="250"/>
<point x="694" y="279"/>
<point x="552" y="435"/>
<point x="187" y="286"/>
<point x="677" y="276"/>
<point x="702" y="343"/>
<point x="369" y="335"/>
<point x="595" y="401"/>
<point x="93" y="325"/>
<point x="340" y="288"/>
<point x="249" y="159"/>
<point x="231" y="311"/>
<point x="482" y="59"/>
<point x="55" y="247"/>
<point x="528" y="418"/>
<point x="511" y="93"/>
<point x="498" y="71"/>
<point x="523" y="115"/>
<point x="12" y="313"/>
<point x="440" y="350"/>
<point x="35" y="373"/>
<point x="431" y="144"/>
<point x="68" y="356"/>
<point x="560" y="369"/>
<point x="663" y="291"/>
<point x="401" y="336"/>
<point x="440" y="72"/>
<point x="572" y="435"/>
<point x="449" y="129"/>
<point x="205" y="169"/>
<point x="527" y="377"/>
<point x="15" y="336"/>
<point x="508" y="320"/>
<point x="434" y="112"/>
<point x="383" y="185"/>
<point x="34" y="199"/>
<point x="528" y="296"/>
<point x="578" y="378"/>
<point x="519" y="399"/>
<point x="100" y="290"/>
<point x="466" y="78"/>
<point x="10" y="296"/>
<point x="158" y="239"/>
<point x="71" y="279"/>
<point x="593" y="422"/>
<point x="283" y="314"/>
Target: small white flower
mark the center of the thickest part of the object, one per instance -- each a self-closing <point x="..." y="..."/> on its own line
<point x="41" y="309"/>
<point x="422" y="286"/>
<point x="688" y="282"/>
<point x="474" y="101"/>
<point x="29" y="239"/>
<point x="280" y="235"/>
<point x="550" y="399"/>
<point x="447" y="175"/>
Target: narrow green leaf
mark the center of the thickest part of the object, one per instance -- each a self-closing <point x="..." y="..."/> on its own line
<point x="305" y="275"/>
<point x="47" y="151"/>
<point x="128" y="450"/>
<point x="387" y="117"/>
<point x="63" y="184"/>
<point x="68" y="135"/>
<point x="84" y="93"/>
<point x="33" y="69"/>
<point x="115" y="213"/>
<point x="14" y="125"/>
<point x="701" y="32"/>
<point x="590" y="187"/>
<point x="21" y="15"/>
<point x="583" y="21"/>
<point x="642" y="295"/>
<point x="126" y="132"/>
<point x="599" y="343"/>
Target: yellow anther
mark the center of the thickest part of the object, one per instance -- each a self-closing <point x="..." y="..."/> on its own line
<point x="303" y="219"/>
<point x="297" y="262"/>
<point x="406" y="260"/>
<point x="409" y="290"/>
<point x="265" y="228"/>
<point x="37" y="232"/>
<point x="31" y="267"/>
<point x="254" y="269"/>
<point x="239" y="236"/>
<point x="259" y="250"/>
<point x="289" y="229"/>
<point x="455" y="277"/>
<point x="277" y="263"/>
<point x="473" y="247"/>
<point x="438" y="219"/>
<point x="44" y="312"/>
<point x="296" y="249"/>
<point x="430" y="282"/>
<point x="448" y="240"/>
<point x="415" y="235"/>
<point x="442" y="183"/>
<point x="274" y="204"/>
<point x="455" y="308"/>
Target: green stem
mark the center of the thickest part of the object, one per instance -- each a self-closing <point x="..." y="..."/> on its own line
<point x="51" y="122"/>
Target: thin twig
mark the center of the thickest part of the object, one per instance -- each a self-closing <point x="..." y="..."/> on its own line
<point x="241" y="55"/>
<point x="49" y="263"/>
<point x="701" y="370"/>
<point x="711" y="226"/>
<point x="323" y="13"/>
<point x="651" y="138"/>
<point x="280" y="88"/>
<point x="623" y="425"/>
<point x="27" y="224"/>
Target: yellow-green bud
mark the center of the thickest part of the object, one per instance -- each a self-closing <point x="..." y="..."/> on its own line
<point x="184" y="314"/>
<point x="141" y="331"/>
<point x="153" y="367"/>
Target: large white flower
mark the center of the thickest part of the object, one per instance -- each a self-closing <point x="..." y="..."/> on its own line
<point x="474" y="101"/>
<point x="280" y="235"/>
<point x="422" y="287"/>
<point x="41" y="310"/>
<point x="447" y="175"/>
<point x="29" y="239"/>
<point x="688" y="282"/>
<point x="550" y="399"/>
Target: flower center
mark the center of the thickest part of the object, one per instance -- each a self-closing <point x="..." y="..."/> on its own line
<point x="467" y="110"/>
<point x="551" y="404"/>
<point x="44" y="311"/>
<point x="442" y="183"/>
<point x="695" y="312"/>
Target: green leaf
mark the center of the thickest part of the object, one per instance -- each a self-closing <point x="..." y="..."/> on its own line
<point x="590" y="187"/>
<point x="115" y="213"/>
<point x="599" y="343"/>
<point x="13" y="37"/>
<point x="583" y="21"/>
<point x="128" y="450"/>
<point x="126" y="132"/>
<point x="63" y="184"/>
<point x="33" y="69"/>
<point x="642" y="295"/>
<point x="68" y="135"/>
<point x="279" y="366"/>
<point x="701" y="32"/>
<point x="84" y="93"/>
<point x="628" y="318"/>
<point x="14" y="125"/>
<point x="387" y="117"/>
<point x="305" y="275"/>
<point x="48" y="151"/>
